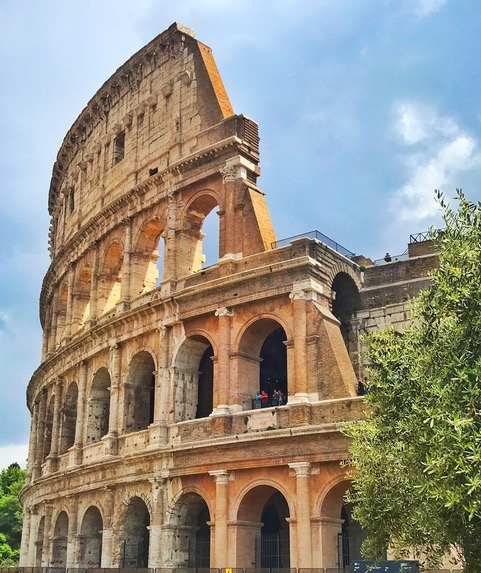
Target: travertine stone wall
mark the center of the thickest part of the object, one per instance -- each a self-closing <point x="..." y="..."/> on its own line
<point x="147" y="444"/>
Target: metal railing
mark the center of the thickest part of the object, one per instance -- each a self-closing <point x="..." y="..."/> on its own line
<point x="318" y="236"/>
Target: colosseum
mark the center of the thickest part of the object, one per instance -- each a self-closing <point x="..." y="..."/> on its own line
<point x="185" y="415"/>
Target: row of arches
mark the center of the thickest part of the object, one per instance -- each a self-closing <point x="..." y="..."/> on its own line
<point x="121" y="400"/>
<point x="133" y="260"/>
<point x="183" y="537"/>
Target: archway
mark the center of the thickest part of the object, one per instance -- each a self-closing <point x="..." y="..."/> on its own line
<point x="59" y="543"/>
<point x="39" y="542"/>
<point x="190" y="532"/>
<point x="90" y="554"/>
<point x="134" y="550"/>
<point x="140" y="393"/>
<point x="345" y="304"/>
<point x="342" y="543"/>
<point x="263" y="362"/>
<point x="47" y="444"/>
<point x="264" y="540"/>
<point x="98" y="407"/>
<point x="109" y="282"/>
<point x="81" y="297"/>
<point x="193" y="379"/>
<point x="146" y="258"/>
<point x="69" y="418"/>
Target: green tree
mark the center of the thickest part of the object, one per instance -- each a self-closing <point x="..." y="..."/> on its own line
<point x="416" y="456"/>
<point x="11" y="482"/>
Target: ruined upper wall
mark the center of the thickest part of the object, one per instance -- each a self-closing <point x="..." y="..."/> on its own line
<point x="147" y="116"/>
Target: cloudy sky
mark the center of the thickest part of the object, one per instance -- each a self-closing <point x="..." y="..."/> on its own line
<point x="364" y="106"/>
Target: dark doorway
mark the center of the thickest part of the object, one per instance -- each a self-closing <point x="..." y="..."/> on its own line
<point x="274" y="549"/>
<point x="205" y="402"/>
<point x="273" y="369"/>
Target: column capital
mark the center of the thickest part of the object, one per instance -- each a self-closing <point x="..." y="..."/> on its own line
<point x="221" y="476"/>
<point x="300" y="469"/>
<point x="224" y="312"/>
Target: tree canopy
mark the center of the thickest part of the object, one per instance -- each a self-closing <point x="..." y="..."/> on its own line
<point x="416" y="455"/>
<point x="11" y="482"/>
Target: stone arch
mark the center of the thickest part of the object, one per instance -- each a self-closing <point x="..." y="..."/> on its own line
<point x="90" y="540"/>
<point x="39" y="542"/>
<point x="193" y="378"/>
<point x="81" y="296"/>
<point x="139" y="393"/>
<point x="263" y="359"/>
<point x="109" y="281"/>
<point x="47" y="444"/>
<point x="195" y="213"/>
<point x="347" y="269"/>
<point x="188" y="531"/>
<point x="59" y="542"/>
<point x="263" y="534"/>
<point x="98" y="406"/>
<point x="134" y="534"/>
<point x="69" y="418"/>
<point x="61" y="312"/>
<point x="346" y="302"/>
<point x="145" y="257"/>
<point x="340" y="535"/>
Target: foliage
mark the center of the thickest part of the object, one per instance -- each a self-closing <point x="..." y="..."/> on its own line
<point x="416" y="457"/>
<point x="11" y="482"/>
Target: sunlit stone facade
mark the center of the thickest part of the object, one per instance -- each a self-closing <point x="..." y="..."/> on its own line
<point x="147" y="446"/>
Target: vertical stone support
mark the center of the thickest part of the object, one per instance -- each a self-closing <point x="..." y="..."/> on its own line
<point x="298" y="385"/>
<point x="31" y="549"/>
<point x="330" y="529"/>
<point x="110" y="440"/>
<point x="72" y="532"/>
<point x="162" y="379"/>
<point x="47" y="535"/>
<point x="26" y="533"/>
<point x="170" y="235"/>
<point x="76" y="450"/>
<point x="227" y="223"/>
<point x="302" y="471"/>
<point x="221" y="545"/>
<point x="94" y="287"/>
<point x="47" y="334"/>
<point x="55" y="426"/>
<point x="126" y="265"/>
<point x="32" y="445"/>
<point x="222" y="378"/>
<point x="107" y="557"/>
<point x="54" y="322"/>
<point x="40" y="435"/>
<point x="156" y="521"/>
<point x="70" y="301"/>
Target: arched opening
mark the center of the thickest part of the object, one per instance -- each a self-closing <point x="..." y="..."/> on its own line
<point x="341" y="536"/>
<point x="273" y="368"/>
<point x="98" y="407"/>
<point x="69" y="418"/>
<point x="90" y="546"/>
<point x="190" y="532"/>
<point x="345" y="304"/>
<point x="61" y="313"/>
<point x="81" y="298"/>
<point x="140" y="393"/>
<point x="274" y="541"/>
<point x="39" y="542"/>
<point x="193" y="379"/>
<point x="206" y="384"/>
<point x="196" y="226"/>
<point x="47" y="444"/>
<point x="210" y="239"/>
<point x="263" y="363"/>
<point x="109" y="282"/>
<point x="59" y="542"/>
<point x="265" y="538"/>
<point x="134" y="550"/>
<point x="146" y="259"/>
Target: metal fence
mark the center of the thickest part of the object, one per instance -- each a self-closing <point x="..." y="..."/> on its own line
<point x="193" y="570"/>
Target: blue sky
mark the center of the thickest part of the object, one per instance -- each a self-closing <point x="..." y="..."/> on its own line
<point x="364" y="107"/>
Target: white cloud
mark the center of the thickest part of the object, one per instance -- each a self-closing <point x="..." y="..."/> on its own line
<point x="437" y="154"/>
<point x="428" y="7"/>
<point x="13" y="454"/>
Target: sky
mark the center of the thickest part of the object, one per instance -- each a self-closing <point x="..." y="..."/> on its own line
<point x="364" y="107"/>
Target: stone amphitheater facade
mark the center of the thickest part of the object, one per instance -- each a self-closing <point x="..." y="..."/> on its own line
<point x="148" y="448"/>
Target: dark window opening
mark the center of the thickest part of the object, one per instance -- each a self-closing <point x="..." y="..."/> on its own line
<point x="71" y="200"/>
<point x="273" y="369"/>
<point x="205" y="399"/>
<point x="119" y="147"/>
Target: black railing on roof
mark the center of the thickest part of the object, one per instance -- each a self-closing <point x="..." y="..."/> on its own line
<point x="419" y="237"/>
<point x="318" y="236"/>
